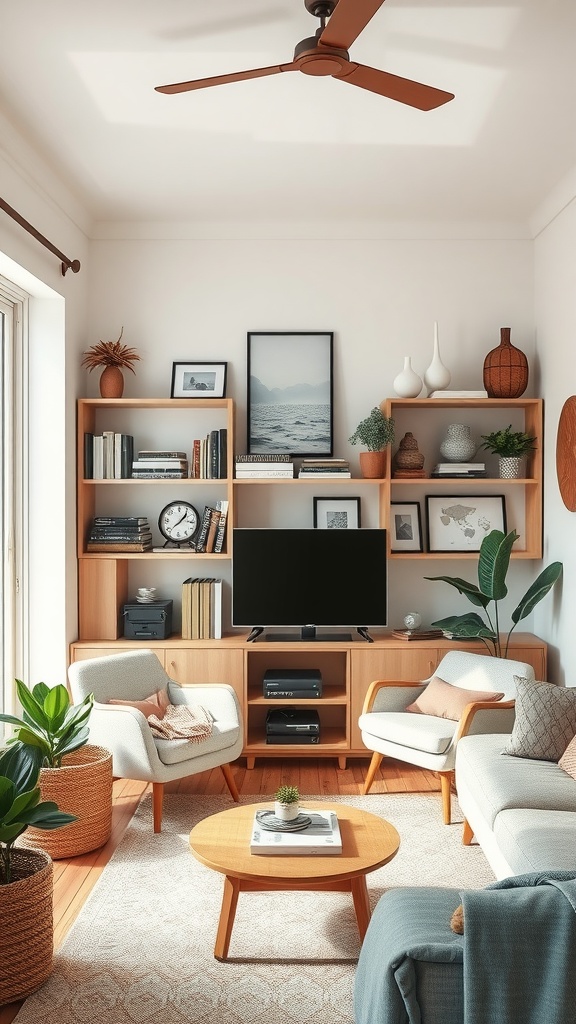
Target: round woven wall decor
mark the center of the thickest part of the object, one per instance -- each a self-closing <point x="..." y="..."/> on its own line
<point x="566" y="453"/>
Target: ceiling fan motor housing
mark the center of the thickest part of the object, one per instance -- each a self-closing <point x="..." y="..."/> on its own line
<point x="320" y="8"/>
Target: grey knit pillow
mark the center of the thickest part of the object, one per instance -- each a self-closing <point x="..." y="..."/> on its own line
<point x="545" y="720"/>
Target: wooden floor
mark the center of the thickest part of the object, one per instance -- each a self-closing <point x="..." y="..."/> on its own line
<point x="74" y="878"/>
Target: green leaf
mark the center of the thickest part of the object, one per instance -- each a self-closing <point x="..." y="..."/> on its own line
<point x="21" y="764"/>
<point x="7" y="794"/>
<point x="8" y="833"/>
<point x="537" y="591"/>
<point x="33" y="739"/>
<point x="23" y="803"/>
<point x="40" y="692"/>
<point x="493" y="562"/>
<point x="31" y="705"/>
<point x="67" y="744"/>
<point x="469" y="625"/>
<point x="470" y="590"/>
<point x="47" y="816"/>
<point x="56" y="705"/>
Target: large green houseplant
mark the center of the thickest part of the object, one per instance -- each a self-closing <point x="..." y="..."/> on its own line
<point x="493" y="562"/>
<point x="375" y="432"/>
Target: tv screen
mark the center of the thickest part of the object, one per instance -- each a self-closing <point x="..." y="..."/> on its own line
<point x="309" y="578"/>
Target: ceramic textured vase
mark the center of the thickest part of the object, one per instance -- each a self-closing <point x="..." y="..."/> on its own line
<point x="286" y="812"/>
<point x="407" y="384"/>
<point x="437" y="377"/>
<point x="112" y="382"/>
<point x="458" y="445"/>
<point x="505" y="369"/>
<point x="510" y="467"/>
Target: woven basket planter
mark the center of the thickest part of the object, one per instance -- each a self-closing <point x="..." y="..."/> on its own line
<point x="82" y="786"/>
<point x="27" y="931"/>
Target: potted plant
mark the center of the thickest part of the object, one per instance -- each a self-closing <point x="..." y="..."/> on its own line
<point x="27" y="933"/>
<point x="511" y="446"/>
<point x="375" y="433"/>
<point x="286" y="803"/>
<point x="52" y="736"/>
<point x="114" y="357"/>
<point x="493" y="562"/>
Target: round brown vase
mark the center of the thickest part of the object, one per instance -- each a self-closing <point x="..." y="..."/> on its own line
<point x="373" y="464"/>
<point x="27" y="932"/>
<point x="505" y="369"/>
<point x="112" y="382"/>
<point x="83" y="787"/>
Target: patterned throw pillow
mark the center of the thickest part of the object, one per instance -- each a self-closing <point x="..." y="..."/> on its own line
<point x="568" y="760"/>
<point x="545" y="720"/>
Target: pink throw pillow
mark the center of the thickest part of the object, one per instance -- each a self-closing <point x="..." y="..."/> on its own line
<point x="155" y="704"/>
<point x="443" y="700"/>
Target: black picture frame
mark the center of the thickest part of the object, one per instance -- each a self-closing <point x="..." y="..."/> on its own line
<point x="459" y="522"/>
<point x="405" y="526"/>
<point x="290" y="393"/>
<point x="198" y="380"/>
<point x="337" y="513"/>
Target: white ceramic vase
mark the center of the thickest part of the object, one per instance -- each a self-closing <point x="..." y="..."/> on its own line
<point x="407" y="384"/>
<point x="509" y="467"/>
<point x="458" y="445"/>
<point x="437" y="377"/>
<point x="286" y="812"/>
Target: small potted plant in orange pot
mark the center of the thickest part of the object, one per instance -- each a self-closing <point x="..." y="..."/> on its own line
<point x="375" y="432"/>
<point x="114" y="357"/>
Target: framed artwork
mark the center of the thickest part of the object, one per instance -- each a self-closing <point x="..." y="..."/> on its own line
<point x="336" y="513"/>
<point x="460" y="523"/>
<point x="405" y="526"/>
<point x="289" y="399"/>
<point x="198" y="380"/>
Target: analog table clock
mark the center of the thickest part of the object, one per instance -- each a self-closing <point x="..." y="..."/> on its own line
<point x="179" y="522"/>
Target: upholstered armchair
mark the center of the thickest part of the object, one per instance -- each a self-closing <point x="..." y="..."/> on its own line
<point x="124" y="730"/>
<point x="429" y="739"/>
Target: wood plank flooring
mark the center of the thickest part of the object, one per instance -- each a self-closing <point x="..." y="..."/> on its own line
<point x="74" y="878"/>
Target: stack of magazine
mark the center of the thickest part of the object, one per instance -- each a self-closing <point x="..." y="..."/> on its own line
<point x="263" y="467"/>
<point x="337" y="468"/>
<point x="312" y="832"/>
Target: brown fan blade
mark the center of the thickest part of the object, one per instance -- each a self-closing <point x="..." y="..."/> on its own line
<point x="414" y="94"/>
<point x="347" y="21"/>
<point x="238" y="76"/>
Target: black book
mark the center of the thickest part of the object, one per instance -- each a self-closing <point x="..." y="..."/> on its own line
<point x="223" y="453"/>
<point x="120" y="520"/>
<point x="126" y="455"/>
<point x="88" y="456"/>
<point x="213" y="455"/>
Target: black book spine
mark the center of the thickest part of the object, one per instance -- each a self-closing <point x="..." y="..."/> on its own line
<point x="213" y="455"/>
<point x="223" y="453"/>
<point x="126" y="456"/>
<point x="88" y="456"/>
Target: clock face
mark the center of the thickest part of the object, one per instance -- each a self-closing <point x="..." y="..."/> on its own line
<point x="179" y="521"/>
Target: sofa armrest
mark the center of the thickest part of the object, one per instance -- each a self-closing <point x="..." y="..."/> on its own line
<point x="486" y="716"/>
<point x="391" y="694"/>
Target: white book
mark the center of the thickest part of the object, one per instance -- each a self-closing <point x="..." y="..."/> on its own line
<point x="321" y="837"/>
<point x="98" y="457"/>
<point x="264" y="474"/>
<point x="117" y="456"/>
<point x="336" y="475"/>
<point x="108" y="436"/>
<point x="216" y="610"/>
<point x="459" y="467"/>
<point x="263" y="467"/>
<point x="458" y="394"/>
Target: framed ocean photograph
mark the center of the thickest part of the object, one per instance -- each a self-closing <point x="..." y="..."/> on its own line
<point x="290" y="392"/>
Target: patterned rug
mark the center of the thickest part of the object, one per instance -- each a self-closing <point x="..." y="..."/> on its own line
<point x="141" y="950"/>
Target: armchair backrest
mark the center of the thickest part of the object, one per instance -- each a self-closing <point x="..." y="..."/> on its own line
<point x="131" y="675"/>
<point x="482" y="672"/>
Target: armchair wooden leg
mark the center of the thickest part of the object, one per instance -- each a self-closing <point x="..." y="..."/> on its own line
<point x="373" y="768"/>
<point x="157" y="801"/>
<point x="227" y="773"/>
<point x="446" y="789"/>
<point x="467" y="834"/>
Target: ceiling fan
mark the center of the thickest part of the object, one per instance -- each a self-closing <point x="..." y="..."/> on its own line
<point x="326" y="53"/>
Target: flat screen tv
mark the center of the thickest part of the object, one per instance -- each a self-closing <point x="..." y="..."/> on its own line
<point x="308" y="579"/>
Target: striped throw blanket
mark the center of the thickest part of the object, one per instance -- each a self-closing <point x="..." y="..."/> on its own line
<point x="182" y="722"/>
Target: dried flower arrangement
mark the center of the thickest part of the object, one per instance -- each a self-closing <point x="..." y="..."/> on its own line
<point x="111" y="353"/>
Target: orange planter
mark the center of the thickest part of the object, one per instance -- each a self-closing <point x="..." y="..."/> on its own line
<point x="373" y="464"/>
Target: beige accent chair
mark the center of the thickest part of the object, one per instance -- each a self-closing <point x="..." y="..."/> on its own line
<point x="430" y="742"/>
<point x="124" y="730"/>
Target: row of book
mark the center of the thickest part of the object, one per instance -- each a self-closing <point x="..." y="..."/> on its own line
<point x="108" y="456"/>
<point x="120" y="533"/>
<point x="202" y="609"/>
<point x="210" y="456"/>
<point x="212" y="532"/>
<point x="160" y="465"/>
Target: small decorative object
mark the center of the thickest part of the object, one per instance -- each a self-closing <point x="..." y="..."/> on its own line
<point x="286" y="803"/>
<point x="413" y="620"/>
<point x="179" y="523"/>
<point x="405" y="526"/>
<point x="505" y="369"/>
<point x="336" y="513"/>
<point x="437" y="377"/>
<point x="493" y="565"/>
<point x="407" y="384"/>
<point x="198" y="380"/>
<point x="375" y="433"/>
<point x="511" y="447"/>
<point x="460" y="522"/>
<point x="566" y="453"/>
<point x="146" y="595"/>
<point x="114" y="357"/>
<point x="408" y="461"/>
<point x="458" y="445"/>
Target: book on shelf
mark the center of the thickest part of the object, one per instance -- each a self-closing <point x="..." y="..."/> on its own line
<point x="459" y="467"/>
<point x="458" y="394"/>
<point x="261" y="457"/>
<point x="153" y="474"/>
<point x="223" y="453"/>
<point x="146" y="454"/>
<point x="325" y="462"/>
<point x="417" y="634"/>
<point x="120" y="545"/>
<point x="202" y="609"/>
<point x="88" y="456"/>
<point x="222" y="507"/>
<point x="212" y="530"/>
<point x="336" y="474"/>
<point x="108" y="436"/>
<point x="204" y="528"/>
<point x="98" y="457"/>
<point x="120" y="520"/>
<point x="160" y="464"/>
<point x="209" y="458"/>
<point x="126" y="455"/>
<point x="120" y="535"/>
<point x="264" y="474"/>
<point x="321" y="837"/>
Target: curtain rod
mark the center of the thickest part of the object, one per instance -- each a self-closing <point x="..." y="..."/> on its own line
<point x="73" y="265"/>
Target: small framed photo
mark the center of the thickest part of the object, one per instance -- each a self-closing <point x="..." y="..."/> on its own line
<point x="460" y="523"/>
<point x="198" y="380"/>
<point x="405" y="526"/>
<point x="336" y="513"/>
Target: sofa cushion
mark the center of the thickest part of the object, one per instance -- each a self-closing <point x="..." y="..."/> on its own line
<point x="545" y="720"/>
<point x="419" y="732"/>
<point x="444" y="700"/>
<point x="537" y="840"/>
<point x="568" y="760"/>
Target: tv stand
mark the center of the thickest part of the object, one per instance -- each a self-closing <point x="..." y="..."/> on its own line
<point x="363" y="630"/>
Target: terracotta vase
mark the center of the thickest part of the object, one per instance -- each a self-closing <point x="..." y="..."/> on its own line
<point x="373" y="465"/>
<point x="505" y="369"/>
<point x="112" y="382"/>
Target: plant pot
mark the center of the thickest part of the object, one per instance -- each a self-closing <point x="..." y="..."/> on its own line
<point x="112" y="382"/>
<point x="373" y="464"/>
<point x="286" y="812"/>
<point x="82" y="786"/>
<point x="27" y="932"/>
<point x="510" y="467"/>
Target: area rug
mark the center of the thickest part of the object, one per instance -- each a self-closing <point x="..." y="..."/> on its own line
<point x="141" y="950"/>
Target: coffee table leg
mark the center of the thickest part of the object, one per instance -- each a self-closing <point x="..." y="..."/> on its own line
<point x="361" y="903"/>
<point x="227" y="914"/>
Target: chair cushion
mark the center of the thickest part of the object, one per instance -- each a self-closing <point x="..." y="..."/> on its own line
<point x="545" y="720"/>
<point x="155" y="704"/>
<point x="444" y="700"/>
<point x="223" y="735"/>
<point x="568" y="760"/>
<point x="419" y="732"/>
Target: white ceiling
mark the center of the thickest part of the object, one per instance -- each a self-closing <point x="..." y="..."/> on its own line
<point x="77" y="79"/>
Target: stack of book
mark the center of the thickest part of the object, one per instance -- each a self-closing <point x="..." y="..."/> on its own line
<point x="459" y="469"/>
<point x="263" y="467"/>
<point x="202" y="609"/>
<point x="151" y="465"/>
<point x="108" y="456"/>
<point x="212" y="530"/>
<point x="417" y="634"/>
<point x="209" y="456"/>
<point x="120" y="533"/>
<point x="338" y="468"/>
<point x="320" y="836"/>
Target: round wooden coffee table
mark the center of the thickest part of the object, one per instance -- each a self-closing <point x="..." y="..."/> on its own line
<point x="222" y="842"/>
